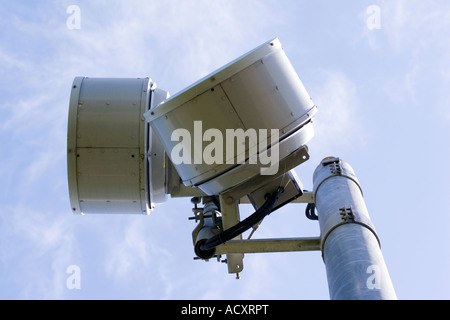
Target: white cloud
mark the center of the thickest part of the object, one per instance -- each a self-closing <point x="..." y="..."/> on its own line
<point x="135" y="255"/>
<point x="166" y="40"/>
<point x="404" y="89"/>
<point x="338" y="123"/>
<point x="128" y="250"/>
<point x="418" y="32"/>
<point x="36" y="248"/>
<point x="416" y="25"/>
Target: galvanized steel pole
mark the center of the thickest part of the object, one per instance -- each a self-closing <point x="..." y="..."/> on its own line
<point x="350" y="246"/>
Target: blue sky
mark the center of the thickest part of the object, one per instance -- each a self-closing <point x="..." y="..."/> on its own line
<point x="384" y="107"/>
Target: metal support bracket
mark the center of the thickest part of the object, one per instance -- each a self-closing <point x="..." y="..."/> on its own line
<point x="230" y="217"/>
<point x="229" y="207"/>
<point x="229" y="202"/>
<point x="269" y="245"/>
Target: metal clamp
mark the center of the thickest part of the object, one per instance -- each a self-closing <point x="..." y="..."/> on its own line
<point x="336" y="170"/>
<point x="345" y="216"/>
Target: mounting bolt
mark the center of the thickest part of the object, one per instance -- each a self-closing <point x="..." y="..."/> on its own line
<point x="229" y="200"/>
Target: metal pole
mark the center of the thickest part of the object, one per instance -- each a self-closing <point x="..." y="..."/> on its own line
<point x="350" y="246"/>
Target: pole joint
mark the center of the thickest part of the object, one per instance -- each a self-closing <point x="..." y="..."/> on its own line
<point x="345" y="216"/>
<point x="336" y="169"/>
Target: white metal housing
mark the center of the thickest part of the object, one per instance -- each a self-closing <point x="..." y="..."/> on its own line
<point x="108" y="146"/>
<point x="260" y="90"/>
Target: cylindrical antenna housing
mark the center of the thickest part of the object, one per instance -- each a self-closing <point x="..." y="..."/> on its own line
<point x="257" y="100"/>
<point x="109" y="145"/>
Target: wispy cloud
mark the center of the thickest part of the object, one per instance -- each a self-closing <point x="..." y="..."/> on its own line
<point x="36" y="248"/>
<point x="131" y="250"/>
<point x="415" y="33"/>
<point x="338" y="123"/>
<point x="412" y="24"/>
